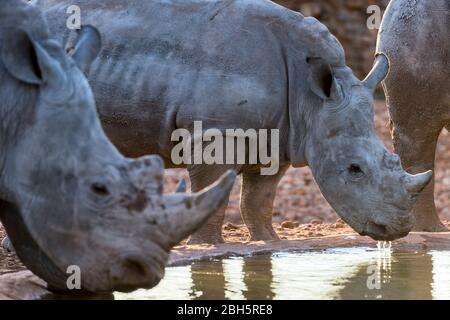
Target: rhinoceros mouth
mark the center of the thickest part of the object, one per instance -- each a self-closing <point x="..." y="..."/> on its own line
<point x="382" y="232"/>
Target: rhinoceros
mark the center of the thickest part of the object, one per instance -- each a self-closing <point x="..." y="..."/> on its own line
<point x="415" y="36"/>
<point x="68" y="198"/>
<point x="245" y="64"/>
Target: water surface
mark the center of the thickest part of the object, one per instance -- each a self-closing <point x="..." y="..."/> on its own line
<point x="346" y="273"/>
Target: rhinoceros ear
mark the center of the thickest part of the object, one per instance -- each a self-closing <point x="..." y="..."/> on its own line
<point x="87" y="47"/>
<point x="321" y="79"/>
<point x="20" y="57"/>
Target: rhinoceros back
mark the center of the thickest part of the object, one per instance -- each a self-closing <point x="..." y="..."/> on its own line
<point x="415" y="36"/>
<point x="228" y="63"/>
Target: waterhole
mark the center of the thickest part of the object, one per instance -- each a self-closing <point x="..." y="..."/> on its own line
<point x="342" y="273"/>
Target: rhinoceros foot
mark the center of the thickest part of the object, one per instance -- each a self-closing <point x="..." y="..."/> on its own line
<point x="265" y="235"/>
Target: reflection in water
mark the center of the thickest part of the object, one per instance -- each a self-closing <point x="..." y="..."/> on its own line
<point x="402" y="276"/>
<point x="208" y="280"/>
<point x="330" y="274"/>
<point x="258" y="278"/>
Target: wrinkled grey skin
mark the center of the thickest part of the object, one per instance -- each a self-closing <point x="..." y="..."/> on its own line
<point x="415" y="35"/>
<point x="67" y="196"/>
<point x="246" y="64"/>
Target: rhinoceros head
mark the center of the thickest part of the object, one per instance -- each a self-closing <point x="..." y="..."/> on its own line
<point x="68" y="198"/>
<point x="364" y="183"/>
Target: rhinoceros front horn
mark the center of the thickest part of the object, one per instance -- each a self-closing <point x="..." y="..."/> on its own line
<point x="379" y="71"/>
<point x="416" y="183"/>
<point x="183" y="214"/>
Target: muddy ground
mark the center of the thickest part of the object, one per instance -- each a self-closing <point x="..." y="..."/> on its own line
<point x="300" y="210"/>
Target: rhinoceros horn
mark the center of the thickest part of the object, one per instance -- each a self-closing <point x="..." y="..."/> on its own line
<point x="182" y="214"/>
<point x="379" y="71"/>
<point x="416" y="183"/>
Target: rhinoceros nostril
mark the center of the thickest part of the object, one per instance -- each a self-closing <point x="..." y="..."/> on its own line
<point x="379" y="228"/>
<point x="99" y="189"/>
<point x="135" y="268"/>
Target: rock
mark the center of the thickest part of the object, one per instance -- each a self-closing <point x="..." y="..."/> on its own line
<point x="22" y="286"/>
<point x="7" y="245"/>
<point x="230" y="226"/>
<point x="290" y="225"/>
<point x="308" y="219"/>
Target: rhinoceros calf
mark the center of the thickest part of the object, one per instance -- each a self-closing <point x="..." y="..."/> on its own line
<point x="67" y="196"/>
<point x="246" y="64"/>
<point x="415" y="36"/>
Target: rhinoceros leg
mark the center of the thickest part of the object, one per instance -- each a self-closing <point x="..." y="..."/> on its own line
<point x="415" y="138"/>
<point x="257" y="196"/>
<point x="202" y="176"/>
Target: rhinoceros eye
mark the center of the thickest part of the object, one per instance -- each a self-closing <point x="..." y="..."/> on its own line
<point x="100" y="189"/>
<point x="355" y="171"/>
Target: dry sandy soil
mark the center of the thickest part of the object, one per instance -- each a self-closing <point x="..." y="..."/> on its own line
<point x="300" y="210"/>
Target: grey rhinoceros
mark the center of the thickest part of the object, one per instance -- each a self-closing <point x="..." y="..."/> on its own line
<point x="67" y="196"/>
<point x="244" y="64"/>
<point x="415" y="36"/>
